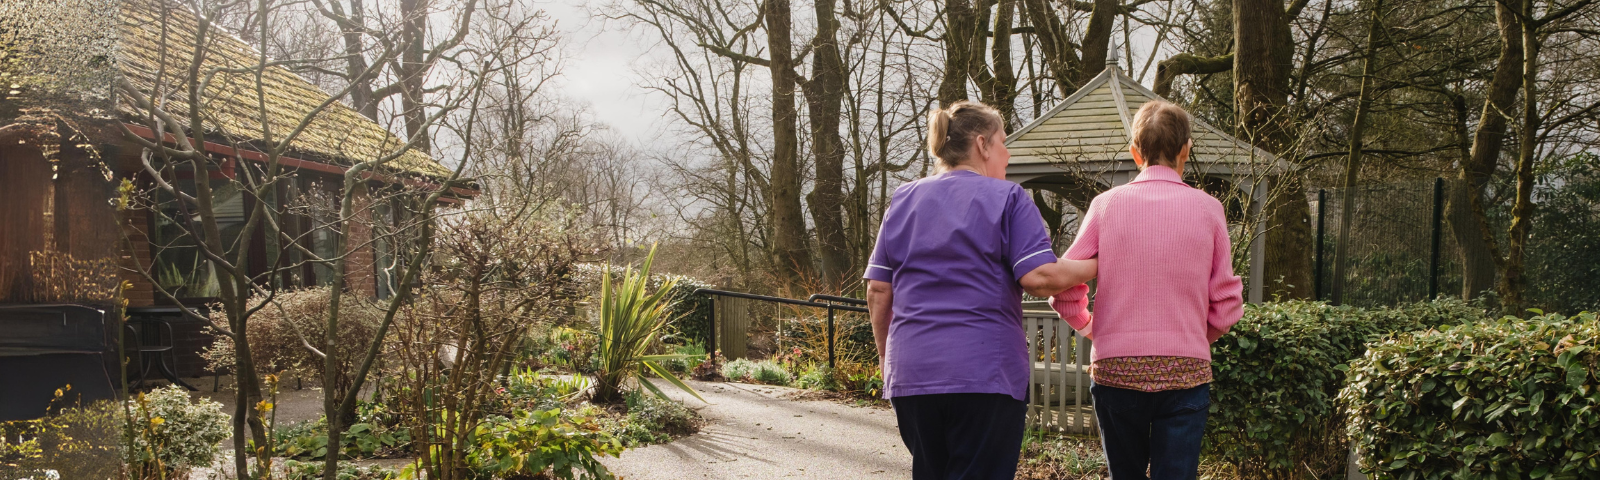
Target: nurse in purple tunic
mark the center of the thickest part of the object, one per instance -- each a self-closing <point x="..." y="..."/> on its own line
<point x="944" y="287"/>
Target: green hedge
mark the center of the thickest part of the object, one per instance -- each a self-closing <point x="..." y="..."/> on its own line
<point x="1279" y="370"/>
<point x="1506" y="399"/>
<point x="691" y="314"/>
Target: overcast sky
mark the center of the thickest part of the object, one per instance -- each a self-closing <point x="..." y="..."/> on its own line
<point x="600" y="72"/>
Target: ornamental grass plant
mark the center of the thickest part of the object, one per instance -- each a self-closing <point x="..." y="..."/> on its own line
<point x="631" y="319"/>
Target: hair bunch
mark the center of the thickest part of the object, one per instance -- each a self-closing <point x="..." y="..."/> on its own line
<point x="952" y="130"/>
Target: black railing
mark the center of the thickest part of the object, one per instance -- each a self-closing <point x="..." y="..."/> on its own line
<point x="829" y="302"/>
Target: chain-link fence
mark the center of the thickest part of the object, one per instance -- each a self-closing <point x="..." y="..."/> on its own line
<point x="1399" y="249"/>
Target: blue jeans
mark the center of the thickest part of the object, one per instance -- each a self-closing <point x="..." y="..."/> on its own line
<point x="1156" y="430"/>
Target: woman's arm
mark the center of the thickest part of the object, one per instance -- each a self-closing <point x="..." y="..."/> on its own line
<point x="1073" y="306"/>
<point x="880" y="309"/>
<point x="1226" y="289"/>
<point x="1053" y="278"/>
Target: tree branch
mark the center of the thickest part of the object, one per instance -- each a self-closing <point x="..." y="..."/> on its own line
<point x="1188" y="64"/>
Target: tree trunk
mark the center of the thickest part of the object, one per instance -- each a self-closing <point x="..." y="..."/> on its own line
<point x="961" y="30"/>
<point x="1263" y="55"/>
<point x="361" y="94"/>
<point x="788" y="221"/>
<point x="1054" y="46"/>
<point x="1005" y="77"/>
<point x="1512" y="283"/>
<point x="824" y="101"/>
<point x="1479" y="254"/>
<point x="414" y="32"/>
<point x="1097" y="39"/>
<point x="1352" y="167"/>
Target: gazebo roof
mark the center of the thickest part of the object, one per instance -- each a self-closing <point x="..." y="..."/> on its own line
<point x="1091" y="127"/>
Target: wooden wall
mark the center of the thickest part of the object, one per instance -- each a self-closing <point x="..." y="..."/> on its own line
<point x="25" y="190"/>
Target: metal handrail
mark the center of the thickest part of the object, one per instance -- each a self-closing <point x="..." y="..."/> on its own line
<point x="827" y="304"/>
<point x="835" y="298"/>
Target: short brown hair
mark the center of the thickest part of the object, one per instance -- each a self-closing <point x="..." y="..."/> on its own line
<point x="1160" y="130"/>
<point x="951" y="130"/>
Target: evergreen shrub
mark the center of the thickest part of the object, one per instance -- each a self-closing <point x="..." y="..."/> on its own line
<point x="1504" y="399"/>
<point x="1277" y="373"/>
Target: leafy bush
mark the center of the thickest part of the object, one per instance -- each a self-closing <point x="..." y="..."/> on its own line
<point x="816" y="377"/>
<point x="740" y="370"/>
<point x="1506" y="399"/>
<point x="691" y="314"/>
<point x="76" y="443"/>
<point x="573" y="349"/>
<point x="1278" y="371"/>
<point x="173" y="433"/>
<point x="692" y="354"/>
<point x="537" y="443"/>
<point x="660" y="415"/>
<point x="649" y="420"/>
<point x="1564" y="251"/>
<point x="860" y="379"/>
<point x="745" y="370"/>
<point x="772" y="374"/>
<point x="275" y="336"/>
<point x="528" y="389"/>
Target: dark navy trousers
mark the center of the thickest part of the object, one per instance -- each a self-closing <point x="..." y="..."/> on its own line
<point x="1160" y="431"/>
<point x="961" y="436"/>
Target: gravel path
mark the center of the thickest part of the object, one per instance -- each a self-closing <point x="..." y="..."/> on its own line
<point x="752" y="431"/>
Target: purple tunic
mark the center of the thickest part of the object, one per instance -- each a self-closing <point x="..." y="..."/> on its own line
<point x="953" y="247"/>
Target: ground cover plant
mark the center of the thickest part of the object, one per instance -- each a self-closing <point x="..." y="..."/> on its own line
<point x="296" y="470"/>
<point x="764" y="371"/>
<point x="376" y="432"/>
<point x="1048" y="456"/>
<point x="1503" y="399"/>
<point x="537" y="443"/>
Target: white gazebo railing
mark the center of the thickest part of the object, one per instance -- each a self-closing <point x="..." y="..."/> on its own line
<point x="1058" y="393"/>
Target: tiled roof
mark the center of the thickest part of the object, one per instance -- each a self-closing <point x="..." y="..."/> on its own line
<point x="1091" y="126"/>
<point x="157" y="31"/>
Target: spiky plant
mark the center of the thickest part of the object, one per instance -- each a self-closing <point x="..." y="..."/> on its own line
<point x="630" y="319"/>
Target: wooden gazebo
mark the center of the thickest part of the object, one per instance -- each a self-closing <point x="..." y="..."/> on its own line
<point x="1079" y="148"/>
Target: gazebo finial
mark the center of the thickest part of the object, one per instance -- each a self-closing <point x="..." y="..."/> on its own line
<point x="1111" y="55"/>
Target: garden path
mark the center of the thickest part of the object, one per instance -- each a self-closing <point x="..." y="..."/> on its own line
<point x="753" y="431"/>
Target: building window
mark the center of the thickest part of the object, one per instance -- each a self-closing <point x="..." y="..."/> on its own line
<point x="181" y="268"/>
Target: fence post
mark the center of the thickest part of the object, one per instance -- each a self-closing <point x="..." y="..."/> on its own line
<point x="830" y="336"/>
<point x="1322" y="210"/>
<point x="712" y="343"/>
<point x="1438" y="217"/>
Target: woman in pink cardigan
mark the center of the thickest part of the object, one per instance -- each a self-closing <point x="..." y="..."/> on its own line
<point x="1166" y="291"/>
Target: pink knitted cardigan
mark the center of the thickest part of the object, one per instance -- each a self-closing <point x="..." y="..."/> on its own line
<point x="1166" y="283"/>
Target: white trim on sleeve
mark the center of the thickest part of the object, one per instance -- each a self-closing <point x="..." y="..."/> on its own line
<point x="1031" y="255"/>
<point x="879" y="266"/>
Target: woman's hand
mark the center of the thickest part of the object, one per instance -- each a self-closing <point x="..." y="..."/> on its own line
<point x="1052" y="278"/>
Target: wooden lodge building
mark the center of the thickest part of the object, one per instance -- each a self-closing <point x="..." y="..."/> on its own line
<point x="61" y="229"/>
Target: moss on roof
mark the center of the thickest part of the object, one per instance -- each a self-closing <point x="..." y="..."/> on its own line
<point x="156" y="46"/>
